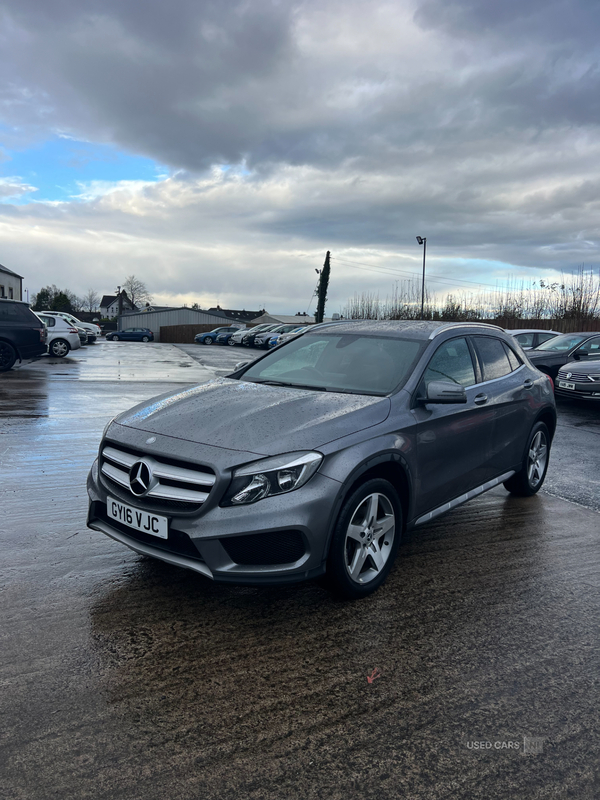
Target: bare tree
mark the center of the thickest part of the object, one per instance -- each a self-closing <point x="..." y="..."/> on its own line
<point x="136" y="290"/>
<point x="90" y="300"/>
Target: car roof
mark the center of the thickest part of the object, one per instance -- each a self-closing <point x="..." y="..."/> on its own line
<point x="415" y="329"/>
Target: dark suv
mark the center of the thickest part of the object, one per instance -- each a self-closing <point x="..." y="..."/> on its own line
<point x="22" y="334"/>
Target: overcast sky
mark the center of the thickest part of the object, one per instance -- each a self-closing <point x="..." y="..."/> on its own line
<point x="217" y="149"/>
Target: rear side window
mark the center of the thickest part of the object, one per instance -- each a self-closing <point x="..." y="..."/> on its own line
<point x="492" y="356"/>
<point x="49" y="321"/>
<point x="451" y="362"/>
<point x="515" y="361"/>
<point x="8" y="312"/>
<point x="525" y="339"/>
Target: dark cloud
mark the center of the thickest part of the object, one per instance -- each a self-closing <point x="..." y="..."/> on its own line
<point x="355" y="124"/>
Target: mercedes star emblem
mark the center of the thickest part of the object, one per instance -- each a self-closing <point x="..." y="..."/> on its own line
<point x="139" y="478"/>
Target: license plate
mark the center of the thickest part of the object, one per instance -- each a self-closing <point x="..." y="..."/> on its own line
<point x="137" y="519"/>
<point x="565" y="385"/>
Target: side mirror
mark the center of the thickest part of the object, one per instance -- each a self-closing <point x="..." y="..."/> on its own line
<point x="578" y="353"/>
<point x="239" y="365"/>
<point x="445" y="392"/>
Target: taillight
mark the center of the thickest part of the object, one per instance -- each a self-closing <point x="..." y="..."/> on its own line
<point x="73" y="330"/>
<point x="551" y="382"/>
<point x="43" y="335"/>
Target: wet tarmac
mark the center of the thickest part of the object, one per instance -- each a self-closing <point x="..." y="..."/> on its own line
<point x="473" y="673"/>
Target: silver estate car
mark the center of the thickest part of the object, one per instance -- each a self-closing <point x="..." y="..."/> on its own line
<point x="317" y="456"/>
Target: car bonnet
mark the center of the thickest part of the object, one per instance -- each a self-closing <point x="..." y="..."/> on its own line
<point x="252" y="417"/>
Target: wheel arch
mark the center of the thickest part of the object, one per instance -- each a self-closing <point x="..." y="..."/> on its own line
<point x="14" y="346"/>
<point x="548" y="417"/>
<point x="391" y="467"/>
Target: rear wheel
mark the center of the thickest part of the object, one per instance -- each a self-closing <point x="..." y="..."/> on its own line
<point x="365" y="540"/>
<point x="531" y="476"/>
<point x="230" y="343"/>
<point x="59" y="348"/>
<point x="145" y="338"/>
<point x="8" y="356"/>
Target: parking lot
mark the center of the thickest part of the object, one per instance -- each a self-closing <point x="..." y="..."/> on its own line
<point x="472" y="673"/>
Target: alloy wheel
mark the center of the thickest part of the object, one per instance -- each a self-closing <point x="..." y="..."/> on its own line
<point x="537" y="459"/>
<point x="369" y="538"/>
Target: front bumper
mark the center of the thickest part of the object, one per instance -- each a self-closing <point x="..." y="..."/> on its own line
<point x="582" y="391"/>
<point x="281" y="539"/>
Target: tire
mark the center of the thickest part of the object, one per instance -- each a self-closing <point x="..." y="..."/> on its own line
<point x="362" y="554"/>
<point x="230" y="343"/>
<point x="145" y="338"/>
<point x="530" y="477"/>
<point x="114" y="338"/>
<point x="8" y="356"/>
<point x="59" y="348"/>
<point x="207" y="340"/>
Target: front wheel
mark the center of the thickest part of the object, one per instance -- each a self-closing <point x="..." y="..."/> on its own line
<point x="531" y="476"/>
<point x="230" y="343"/>
<point x="365" y="540"/>
<point x="8" y="356"/>
<point x="207" y="340"/>
<point x="59" y="348"/>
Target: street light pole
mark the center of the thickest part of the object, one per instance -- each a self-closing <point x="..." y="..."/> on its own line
<point x="423" y="240"/>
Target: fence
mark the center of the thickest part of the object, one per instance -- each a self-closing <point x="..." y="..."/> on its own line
<point x="559" y="325"/>
<point x="184" y="334"/>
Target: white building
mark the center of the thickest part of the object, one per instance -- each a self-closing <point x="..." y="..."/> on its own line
<point x="11" y="284"/>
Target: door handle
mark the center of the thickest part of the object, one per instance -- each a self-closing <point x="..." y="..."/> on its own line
<point x="480" y="399"/>
<point x="528" y="384"/>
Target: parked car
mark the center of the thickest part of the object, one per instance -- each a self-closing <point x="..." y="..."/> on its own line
<point x="263" y="339"/>
<point x="22" y="334"/>
<point x="317" y="456"/>
<point x="249" y="338"/>
<point x="131" y="335"/>
<point x="210" y="337"/>
<point x="579" y="380"/>
<point x="225" y="336"/>
<point x="84" y="336"/>
<point x="281" y="338"/>
<point x="62" y="336"/>
<point x="530" y="338"/>
<point x="550" y="356"/>
<point x="92" y="330"/>
<point x="238" y="337"/>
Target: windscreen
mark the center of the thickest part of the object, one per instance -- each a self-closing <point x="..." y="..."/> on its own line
<point x="561" y="344"/>
<point x="339" y="363"/>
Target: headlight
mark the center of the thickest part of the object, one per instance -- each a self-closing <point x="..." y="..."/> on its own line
<point x="271" y="476"/>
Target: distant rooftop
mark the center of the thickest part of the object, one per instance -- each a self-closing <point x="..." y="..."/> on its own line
<point x="10" y="272"/>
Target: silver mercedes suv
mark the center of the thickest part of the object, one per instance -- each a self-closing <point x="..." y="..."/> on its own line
<point x="317" y="456"/>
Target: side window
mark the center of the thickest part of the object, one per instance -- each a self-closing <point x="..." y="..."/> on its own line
<point x="591" y="348"/>
<point x="451" y="362"/>
<point x="543" y="337"/>
<point x="8" y="311"/>
<point x="493" y="357"/>
<point x="525" y="339"/>
<point x="514" y="360"/>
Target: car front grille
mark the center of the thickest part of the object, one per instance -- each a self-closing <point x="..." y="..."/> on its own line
<point x="172" y="485"/>
<point x="580" y="377"/>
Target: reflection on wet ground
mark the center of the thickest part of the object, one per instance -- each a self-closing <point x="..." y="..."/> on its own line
<point x="123" y="677"/>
